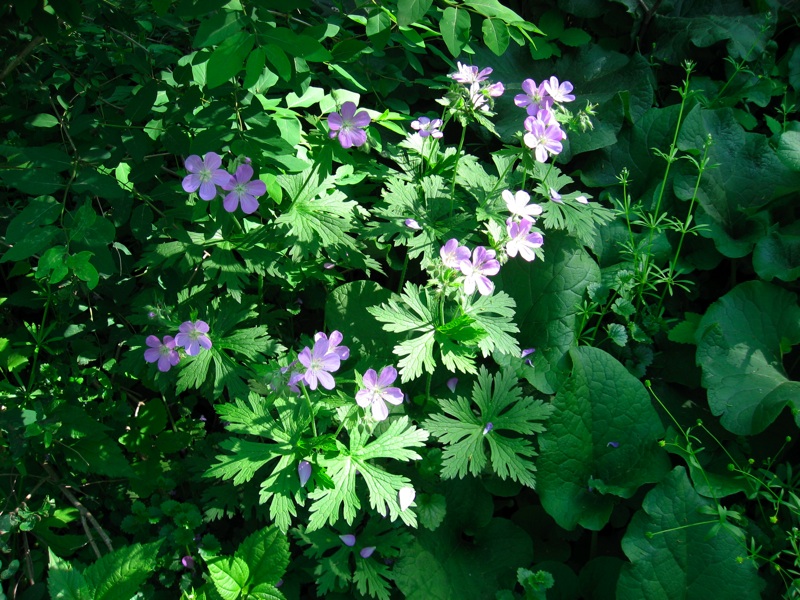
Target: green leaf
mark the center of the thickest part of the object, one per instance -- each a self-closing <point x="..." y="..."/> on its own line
<point x="455" y="29"/>
<point x="600" y="442"/>
<point x="64" y="582"/>
<point x="411" y="11"/>
<point x="121" y="573"/>
<point x="280" y="61"/>
<point x="740" y="344"/>
<point x="43" y="120"/>
<point x="495" y="35"/>
<point x="410" y="313"/>
<point x="549" y="295"/>
<point x="218" y="28"/>
<point x="789" y="149"/>
<point x="777" y="255"/>
<point x="266" y="553"/>
<point x="229" y="576"/>
<point x="228" y="58"/>
<point x="38" y="212"/>
<point x="396" y="442"/>
<point x="432" y="509"/>
<point x="254" y="67"/>
<point x="674" y="555"/>
<point x="33" y="243"/>
<point x="495" y="10"/>
<point x="573" y="36"/>
<point x="500" y="403"/>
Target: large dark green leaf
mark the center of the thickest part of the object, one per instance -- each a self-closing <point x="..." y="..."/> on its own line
<point x="601" y="442"/>
<point x="676" y="557"/>
<point x="740" y="344"/>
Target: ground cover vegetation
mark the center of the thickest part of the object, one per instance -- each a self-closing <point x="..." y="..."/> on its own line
<point x="416" y="298"/>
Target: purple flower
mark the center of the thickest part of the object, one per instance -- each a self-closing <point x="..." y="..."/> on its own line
<point x="452" y="383"/>
<point x="304" y="472"/>
<point x="488" y="428"/>
<point x="164" y="353"/>
<point x="205" y="175"/>
<point x="427" y="127"/>
<point x="376" y="392"/>
<point x="555" y="196"/>
<point x="412" y="224"/>
<point x="349" y="125"/>
<point x="543" y="139"/>
<point x="452" y="254"/>
<point x="348" y="539"/>
<point x="343" y="352"/>
<point x="517" y="204"/>
<point x="319" y="364"/>
<point x="188" y="562"/>
<point x="243" y="191"/>
<point x="534" y="96"/>
<point x="522" y="240"/>
<point x="367" y="552"/>
<point x="612" y="444"/>
<point x="527" y="352"/>
<point x="328" y="265"/>
<point x="468" y="74"/>
<point x="480" y="96"/>
<point x="477" y="271"/>
<point x="558" y="92"/>
<point x="193" y="336"/>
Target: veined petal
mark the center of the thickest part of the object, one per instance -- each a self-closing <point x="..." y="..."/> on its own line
<point x="348" y="110"/>
<point x="361" y="119"/>
<point x="387" y="376"/>
<point x="212" y="161"/>
<point x="379" y="410"/>
<point x="193" y="163"/>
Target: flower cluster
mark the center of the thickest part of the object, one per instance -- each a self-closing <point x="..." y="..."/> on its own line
<point x="348" y="125"/>
<point x="205" y="175"/>
<point x="480" y="90"/>
<point x="543" y="133"/>
<point x="476" y="271"/>
<point x="523" y="241"/>
<point x="192" y="337"/>
<point x="319" y="362"/>
<point x="378" y="390"/>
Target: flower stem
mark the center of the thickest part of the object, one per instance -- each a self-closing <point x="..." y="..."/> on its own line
<point x="310" y="411"/>
<point x="455" y="169"/>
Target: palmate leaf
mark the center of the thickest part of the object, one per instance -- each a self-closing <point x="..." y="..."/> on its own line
<point x="320" y="215"/>
<point x="397" y="443"/>
<point x="495" y="315"/>
<point x="464" y="432"/>
<point x="244" y="457"/>
<point x="411" y="313"/>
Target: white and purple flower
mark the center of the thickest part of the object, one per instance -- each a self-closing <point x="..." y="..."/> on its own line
<point x="522" y="241"/>
<point x="243" y="192"/>
<point x="162" y="352"/>
<point x="378" y="390"/>
<point x="193" y="337"/>
<point x="348" y="125"/>
<point x="477" y="271"/>
<point x="205" y="175"/>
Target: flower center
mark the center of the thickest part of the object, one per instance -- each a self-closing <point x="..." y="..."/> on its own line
<point x="205" y="175"/>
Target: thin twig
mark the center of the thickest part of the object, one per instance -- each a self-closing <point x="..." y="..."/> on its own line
<point x="21" y="56"/>
<point x="84" y="512"/>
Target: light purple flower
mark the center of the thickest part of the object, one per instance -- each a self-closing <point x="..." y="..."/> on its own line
<point x="452" y="383"/>
<point x="488" y="428"/>
<point x="522" y="240"/>
<point x="192" y="336"/>
<point x="517" y="204"/>
<point x="319" y="364"/>
<point x="542" y="139"/>
<point x="188" y="562"/>
<point x="452" y="254"/>
<point x="243" y="191"/>
<point x="555" y="196"/>
<point x="468" y="74"/>
<point x="328" y="265"/>
<point x="164" y="353"/>
<point x="534" y="98"/>
<point x="427" y="127"/>
<point x="412" y="224"/>
<point x="367" y="552"/>
<point x="376" y="392"/>
<point x="349" y="126"/>
<point x="343" y="352"/>
<point x="477" y="270"/>
<point x="304" y="472"/>
<point x="527" y="352"/>
<point x="559" y="92"/>
<point x="348" y="539"/>
<point x="480" y="95"/>
<point x="612" y="444"/>
<point x="204" y="174"/>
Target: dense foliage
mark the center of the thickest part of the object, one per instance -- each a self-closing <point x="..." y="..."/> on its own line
<point x="416" y="298"/>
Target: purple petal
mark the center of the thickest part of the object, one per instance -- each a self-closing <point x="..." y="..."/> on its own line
<point x="348" y="539"/>
<point x="190" y="183"/>
<point x="231" y="202"/>
<point x="256" y="188"/>
<point x="326" y="380"/>
<point x="393" y="395"/>
<point x="193" y="163"/>
<point x="221" y="177"/>
<point x="361" y="119"/>
<point x="201" y="326"/>
<point x="304" y="472"/>
<point x="334" y="122"/>
<point x="208" y="190"/>
<point x="204" y="341"/>
<point x="249" y="204"/>
<point x="348" y="110"/>
<point x="387" y="376"/>
<point x="370" y="378"/>
<point x="451" y="383"/>
<point x="305" y="357"/>
<point x="153" y="341"/>
<point x="363" y="398"/>
<point x="165" y="363"/>
<point x="380" y="411"/>
<point x="212" y="161"/>
<point x="367" y="552"/>
<point x="244" y="173"/>
<point x="151" y="355"/>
